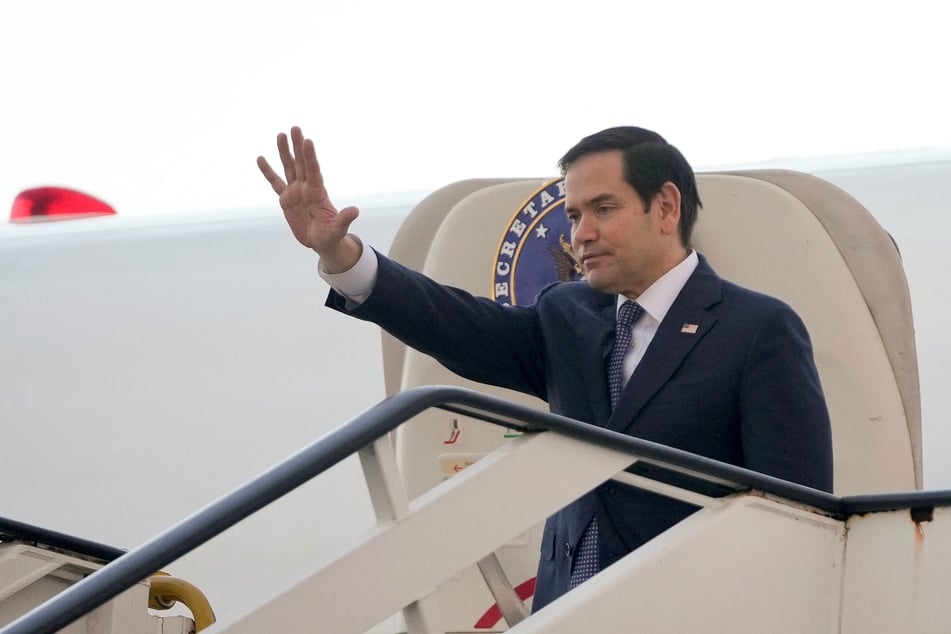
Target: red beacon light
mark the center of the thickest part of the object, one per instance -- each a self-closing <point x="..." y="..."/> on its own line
<point x="56" y="203"/>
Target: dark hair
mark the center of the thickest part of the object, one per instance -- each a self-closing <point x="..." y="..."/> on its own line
<point x="649" y="162"/>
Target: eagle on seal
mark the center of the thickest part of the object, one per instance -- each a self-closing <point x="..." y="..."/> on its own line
<point x="566" y="262"/>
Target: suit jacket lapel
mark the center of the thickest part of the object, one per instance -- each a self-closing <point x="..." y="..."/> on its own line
<point x="596" y="342"/>
<point x="672" y="343"/>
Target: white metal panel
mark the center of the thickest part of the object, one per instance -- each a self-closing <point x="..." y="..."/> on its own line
<point x="749" y="566"/>
<point x="897" y="574"/>
<point x="20" y="566"/>
<point x="30" y="576"/>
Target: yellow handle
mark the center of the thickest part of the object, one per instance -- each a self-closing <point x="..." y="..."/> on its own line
<point x="165" y="591"/>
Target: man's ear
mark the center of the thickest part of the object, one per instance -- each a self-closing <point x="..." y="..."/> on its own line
<point x="669" y="200"/>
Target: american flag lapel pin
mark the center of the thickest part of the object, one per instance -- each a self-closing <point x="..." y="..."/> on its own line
<point x="690" y="329"/>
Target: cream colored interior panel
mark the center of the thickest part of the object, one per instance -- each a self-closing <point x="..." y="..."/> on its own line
<point x="461" y="254"/>
<point x="411" y="246"/>
<point x="875" y="264"/>
<point x="762" y="237"/>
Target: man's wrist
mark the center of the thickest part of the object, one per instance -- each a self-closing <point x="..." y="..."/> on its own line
<point x="343" y="256"/>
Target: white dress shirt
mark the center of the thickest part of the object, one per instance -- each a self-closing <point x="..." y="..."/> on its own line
<point x="656" y="300"/>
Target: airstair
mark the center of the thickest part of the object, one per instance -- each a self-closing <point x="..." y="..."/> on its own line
<point x="760" y="555"/>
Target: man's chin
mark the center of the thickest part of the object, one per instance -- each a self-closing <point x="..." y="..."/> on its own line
<point x="599" y="282"/>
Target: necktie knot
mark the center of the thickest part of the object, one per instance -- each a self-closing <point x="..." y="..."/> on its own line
<point x="629" y="313"/>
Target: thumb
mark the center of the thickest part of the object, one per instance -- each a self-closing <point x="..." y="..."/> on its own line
<point x="346" y="216"/>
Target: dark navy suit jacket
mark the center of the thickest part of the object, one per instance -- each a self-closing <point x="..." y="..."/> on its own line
<point x="742" y="389"/>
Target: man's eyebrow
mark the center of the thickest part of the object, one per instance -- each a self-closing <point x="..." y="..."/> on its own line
<point x="601" y="198"/>
<point x="596" y="200"/>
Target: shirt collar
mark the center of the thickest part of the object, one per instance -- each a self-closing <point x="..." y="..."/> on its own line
<point x="657" y="299"/>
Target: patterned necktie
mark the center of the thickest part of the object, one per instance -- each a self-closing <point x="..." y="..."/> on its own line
<point x="586" y="564"/>
<point x="627" y="316"/>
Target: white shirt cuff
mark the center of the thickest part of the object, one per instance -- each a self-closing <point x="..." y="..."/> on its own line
<point x="357" y="283"/>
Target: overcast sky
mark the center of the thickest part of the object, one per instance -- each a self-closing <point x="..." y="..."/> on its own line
<point x="163" y="107"/>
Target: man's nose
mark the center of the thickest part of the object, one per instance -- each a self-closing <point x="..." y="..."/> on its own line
<point x="584" y="230"/>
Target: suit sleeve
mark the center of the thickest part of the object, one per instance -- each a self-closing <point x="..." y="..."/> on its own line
<point x="472" y="336"/>
<point x="786" y="430"/>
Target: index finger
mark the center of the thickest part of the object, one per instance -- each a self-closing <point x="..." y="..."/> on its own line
<point x="284" y="151"/>
<point x="277" y="183"/>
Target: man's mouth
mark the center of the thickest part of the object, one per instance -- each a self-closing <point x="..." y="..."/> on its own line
<point x="588" y="259"/>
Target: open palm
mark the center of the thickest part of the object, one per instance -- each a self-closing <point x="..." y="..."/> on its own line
<point x="310" y="214"/>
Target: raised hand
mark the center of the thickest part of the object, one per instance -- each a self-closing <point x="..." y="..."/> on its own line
<point x="313" y="219"/>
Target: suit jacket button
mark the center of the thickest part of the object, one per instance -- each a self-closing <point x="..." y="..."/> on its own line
<point x="567" y="550"/>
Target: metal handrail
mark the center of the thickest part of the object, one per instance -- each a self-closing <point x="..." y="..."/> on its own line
<point x="11" y="530"/>
<point x="367" y="427"/>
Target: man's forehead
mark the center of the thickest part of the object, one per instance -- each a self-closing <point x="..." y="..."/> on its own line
<point x="603" y="159"/>
<point x="598" y="178"/>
